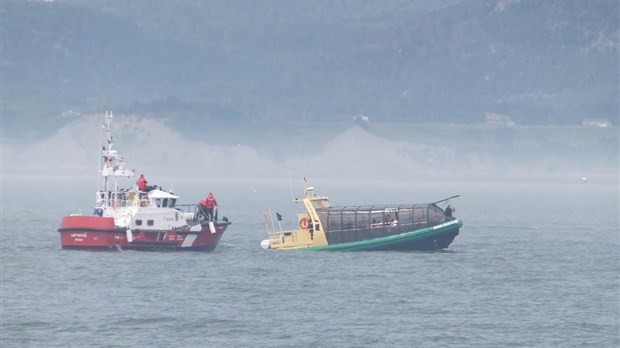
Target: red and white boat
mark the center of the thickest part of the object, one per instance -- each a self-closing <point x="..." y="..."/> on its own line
<point x="129" y="219"/>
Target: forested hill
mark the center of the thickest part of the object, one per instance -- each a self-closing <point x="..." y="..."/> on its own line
<point x="443" y="61"/>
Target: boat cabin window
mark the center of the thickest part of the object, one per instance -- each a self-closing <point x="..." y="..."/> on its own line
<point x="363" y="219"/>
<point x="419" y="215"/>
<point x="172" y="202"/>
<point x="138" y="222"/>
<point x="405" y="216"/>
<point x="376" y="218"/>
<point x="335" y="221"/>
<point x="150" y="222"/>
<point x="391" y="216"/>
<point x="435" y="214"/>
<point x="348" y="220"/>
<point x="158" y="202"/>
<point x="323" y="218"/>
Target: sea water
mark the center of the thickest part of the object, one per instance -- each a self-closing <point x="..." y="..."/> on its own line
<point x="536" y="264"/>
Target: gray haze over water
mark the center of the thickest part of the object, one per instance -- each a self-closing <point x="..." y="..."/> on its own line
<point x="379" y="151"/>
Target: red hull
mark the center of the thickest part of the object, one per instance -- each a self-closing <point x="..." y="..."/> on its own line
<point x="100" y="233"/>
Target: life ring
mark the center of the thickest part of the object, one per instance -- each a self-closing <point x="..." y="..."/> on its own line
<point x="304" y="223"/>
<point x="144" y="202"/>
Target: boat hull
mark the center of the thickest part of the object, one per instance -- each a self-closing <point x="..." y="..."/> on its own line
<point x="430" y="238"/>
<point x="83" y="232"/>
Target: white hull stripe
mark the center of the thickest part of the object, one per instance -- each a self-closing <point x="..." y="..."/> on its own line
<point x="189" y="240"/>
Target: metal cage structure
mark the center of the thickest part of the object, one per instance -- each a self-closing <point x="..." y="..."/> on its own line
<point x="354" y="223"/>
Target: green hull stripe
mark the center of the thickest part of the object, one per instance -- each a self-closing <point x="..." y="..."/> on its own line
<point x="393" y="239"/>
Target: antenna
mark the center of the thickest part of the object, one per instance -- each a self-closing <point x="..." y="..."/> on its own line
<point x="99" y="154"/>
<point x="273" y="226"/>
<point x="304" y="185"/>
<point x="290" y="185"/>
<point x="290" y="182"/>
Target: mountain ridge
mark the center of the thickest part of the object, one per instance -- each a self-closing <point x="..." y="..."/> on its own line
<point x="241" y="62"/>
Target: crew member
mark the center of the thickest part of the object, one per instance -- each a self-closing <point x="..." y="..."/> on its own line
<point x="202" y="209"/>
<point x="142" y="183"/>
<point x="449" y="211"/>
<point x="210" y="203"/>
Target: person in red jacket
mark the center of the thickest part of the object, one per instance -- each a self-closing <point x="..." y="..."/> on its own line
<point x="210" y="204"/>
<point x="202" y="209"/>
<point x="142" y="183"/>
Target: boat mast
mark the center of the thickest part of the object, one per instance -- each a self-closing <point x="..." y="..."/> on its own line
<point x="303" y="183"/>
<point x="113" y="164"/>
<point x="107" y="149"/>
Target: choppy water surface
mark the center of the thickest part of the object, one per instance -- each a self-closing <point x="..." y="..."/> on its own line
<point x="535" y="264"/>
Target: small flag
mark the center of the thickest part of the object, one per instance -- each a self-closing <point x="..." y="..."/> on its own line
<point x="279" y="216"/>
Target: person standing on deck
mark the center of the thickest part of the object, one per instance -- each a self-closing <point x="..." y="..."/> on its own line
<point x="211" y="203"/>
<point x="142" y="183"/>
<point x="448" y="212"/>
<point x="202" y="209"/>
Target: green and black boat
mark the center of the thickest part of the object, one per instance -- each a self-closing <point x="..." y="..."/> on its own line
<point x="421" y="226"/>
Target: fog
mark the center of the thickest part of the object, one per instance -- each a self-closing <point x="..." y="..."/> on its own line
<point x="153" y="147"/>
<point x="453" y="90"/>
